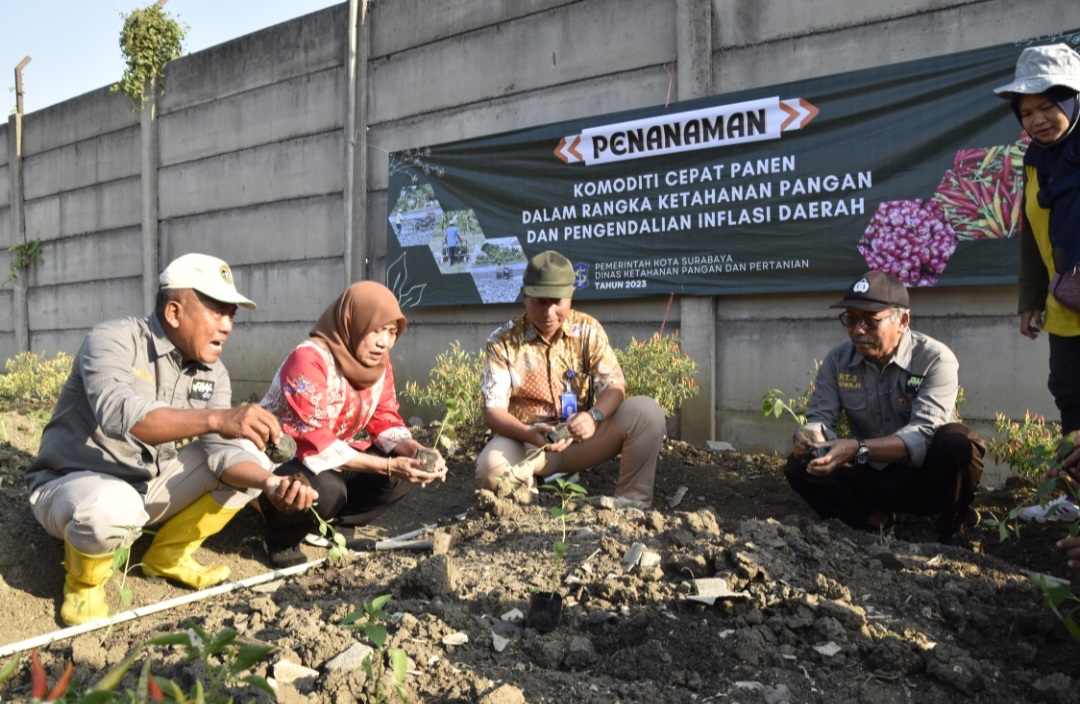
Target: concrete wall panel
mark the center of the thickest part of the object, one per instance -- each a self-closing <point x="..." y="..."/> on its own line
<point x="49" y="342"/>
<point x="5" y="156"/>
<point x="291" y="230"/>
<point x="5" y="186"/>
<point x="402" y="27"/>
<point x="642" y="88"/>
<point x="291" y="292"/>
<point x="8" y="346"/>
<point x="84" y="117"/>
<point x="738" y="23"/>
<point x="808" y="55"/>
<point x="310" y="166"/>
<point x="114" y="254"/>
<point x="565" y="45"/>
<point x="304" y="45"/>
<point x="81" y="306"/>
<point x="254" y="352"/>
<point x="110" y="157"/>
<point x="108" y="206"/>
<point x="7" y="297"/>
<point x="5" y="228"/>
<point x="305" y="105"/>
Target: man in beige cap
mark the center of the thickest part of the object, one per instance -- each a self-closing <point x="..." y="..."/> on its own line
<point x="111" y="459"/>
<point x="554" y="364"/>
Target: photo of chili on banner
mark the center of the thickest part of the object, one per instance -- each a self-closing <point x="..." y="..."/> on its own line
<point x="912" y="168"/>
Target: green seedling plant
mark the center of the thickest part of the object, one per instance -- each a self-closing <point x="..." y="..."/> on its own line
<point x="372" y="619"/>
<point x="455" y="416"/>
<point x="568" y="493"/>
<point x="224" y="659"/>
<point x="773" y="404"/>
<point x="336" y="551"/>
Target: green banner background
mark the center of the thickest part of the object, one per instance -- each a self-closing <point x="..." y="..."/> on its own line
<point x="900" y="127"/>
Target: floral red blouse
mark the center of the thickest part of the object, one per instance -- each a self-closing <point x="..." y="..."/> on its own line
<point x="330" y="420"/>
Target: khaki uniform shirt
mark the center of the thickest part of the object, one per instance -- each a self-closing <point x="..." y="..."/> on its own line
<point x="911" y="397"/>
<point x="125" y="369"/>
<point x="527" y="375"/>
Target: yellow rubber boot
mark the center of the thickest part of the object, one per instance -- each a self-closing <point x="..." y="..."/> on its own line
<point x="171" y="553"/>
<point x="84" y="586"/>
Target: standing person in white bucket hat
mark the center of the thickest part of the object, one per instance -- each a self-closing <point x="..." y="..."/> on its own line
<point x="1044" y="97"/>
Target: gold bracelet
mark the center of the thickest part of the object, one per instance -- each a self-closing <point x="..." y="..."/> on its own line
<point x="388" y="465"/>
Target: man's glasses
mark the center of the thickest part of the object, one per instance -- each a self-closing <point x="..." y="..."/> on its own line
<point x="850" y="321"/>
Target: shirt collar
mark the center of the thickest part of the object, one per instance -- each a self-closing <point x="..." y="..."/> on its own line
<point x="533" y="335"/>
<point x="163" y="346"/>
<point x="901" y="357"/>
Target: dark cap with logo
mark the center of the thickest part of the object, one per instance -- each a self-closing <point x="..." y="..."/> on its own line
<point x="875" y="291"/>
<point x="549" y="275"/>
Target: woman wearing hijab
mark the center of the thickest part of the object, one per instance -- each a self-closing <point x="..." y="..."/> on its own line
<point x="1044" y="97"/>
<point x="334" y="395"/>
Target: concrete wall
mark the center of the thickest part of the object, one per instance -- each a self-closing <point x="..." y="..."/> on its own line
<point x="271" y="152"/>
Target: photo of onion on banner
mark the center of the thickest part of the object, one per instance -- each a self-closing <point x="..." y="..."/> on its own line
<point x="979" y="198"/>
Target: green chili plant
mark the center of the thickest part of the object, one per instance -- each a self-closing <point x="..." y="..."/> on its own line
<point x="658" y="368"/>
<point x="568" y="492"/>
<point x="372" y="619"/>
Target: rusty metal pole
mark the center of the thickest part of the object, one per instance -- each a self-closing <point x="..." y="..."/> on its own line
<point x="18" y="85"/>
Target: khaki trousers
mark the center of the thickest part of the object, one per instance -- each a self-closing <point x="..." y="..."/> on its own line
<point x="104" y="511"/>
<point x="636" y="431"/>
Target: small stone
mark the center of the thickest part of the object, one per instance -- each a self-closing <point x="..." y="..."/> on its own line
<point x="350" y="658"/>
<point x="303" y="678"/>
<point x="499" y="642"/>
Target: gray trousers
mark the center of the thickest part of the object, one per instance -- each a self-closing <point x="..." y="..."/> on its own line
<point x="105" y="512"/>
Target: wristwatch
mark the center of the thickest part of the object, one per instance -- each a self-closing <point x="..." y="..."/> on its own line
<point x="597" y="415"/>
<point x="863" y="455"/>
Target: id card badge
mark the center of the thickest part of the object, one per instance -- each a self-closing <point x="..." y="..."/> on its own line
<point x="569" y="398"/>
<point x="569" y="404"/>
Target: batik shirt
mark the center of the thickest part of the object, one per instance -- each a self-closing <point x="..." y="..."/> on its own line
<point x="331" y="420"/>
<point x="528" y="375"/>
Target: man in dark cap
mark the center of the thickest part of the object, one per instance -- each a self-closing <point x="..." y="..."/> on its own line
<point x="898" y="389"/>
<point x="553" y="365"/>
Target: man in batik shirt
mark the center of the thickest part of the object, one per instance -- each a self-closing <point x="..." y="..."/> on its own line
<point x="552" y="366"/>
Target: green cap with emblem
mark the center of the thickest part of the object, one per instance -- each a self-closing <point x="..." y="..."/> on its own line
<point x="549" y="275"/>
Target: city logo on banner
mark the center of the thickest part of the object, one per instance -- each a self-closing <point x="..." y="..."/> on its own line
<point x="718" y="126"/>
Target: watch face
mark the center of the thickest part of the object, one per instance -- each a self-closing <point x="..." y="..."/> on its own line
<point x="596" y="415"/>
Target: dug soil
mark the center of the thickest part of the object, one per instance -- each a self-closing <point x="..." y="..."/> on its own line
<point x="807" y="611"/>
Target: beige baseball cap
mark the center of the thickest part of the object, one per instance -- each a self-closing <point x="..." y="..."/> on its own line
<point x="208" y="275"/>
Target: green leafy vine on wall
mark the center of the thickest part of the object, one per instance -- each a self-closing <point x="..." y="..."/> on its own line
<point x="150" y="39"/>
<point x="22" y="257"/>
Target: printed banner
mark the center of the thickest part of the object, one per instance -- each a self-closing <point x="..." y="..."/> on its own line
<point x="912" y="168"/>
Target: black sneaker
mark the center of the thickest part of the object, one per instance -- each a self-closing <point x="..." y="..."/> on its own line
<point x="282" y="556"/>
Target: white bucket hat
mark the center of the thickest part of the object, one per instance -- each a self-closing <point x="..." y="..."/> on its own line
<point x="1040" y="68"/>
<point x="208" y="275"/>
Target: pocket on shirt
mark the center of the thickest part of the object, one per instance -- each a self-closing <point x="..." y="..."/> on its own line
<point x="853" y="399"/>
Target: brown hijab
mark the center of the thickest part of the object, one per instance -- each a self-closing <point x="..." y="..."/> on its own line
<point x="363" y="307"/>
